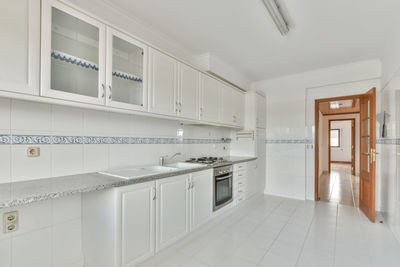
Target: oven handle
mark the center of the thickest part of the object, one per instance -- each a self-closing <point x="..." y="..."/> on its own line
<point x="223" y="178"/>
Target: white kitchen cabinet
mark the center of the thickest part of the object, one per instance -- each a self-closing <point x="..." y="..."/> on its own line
<point x="261" y="112"/>
<point x="210" y="95"/>
<point x="238" y="107"/>
<point x="118" y="225"/>
<point x="172" y="210"/>
<point x="137" y="223"/>
<point x="20" y="46"/>
<point x="255" y="111"/>
<point x="227" y="105"/>
<point x="201" y="198"/>
<point x="72" y="54"/>
<point x="163" y="83"/>
<point x="126" y="71"/>
<point x="188" y="92"/>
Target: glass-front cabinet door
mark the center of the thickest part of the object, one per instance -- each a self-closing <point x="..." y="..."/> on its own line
<point x="126" y="63"/>
<point x="73" y="55"/>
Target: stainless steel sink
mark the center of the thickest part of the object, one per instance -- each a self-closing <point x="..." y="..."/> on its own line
<point x="160" y="168"/>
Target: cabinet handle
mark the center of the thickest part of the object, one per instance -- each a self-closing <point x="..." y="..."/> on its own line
<point x="240" y="183"/>
<point x="192" y="185"/>
<point x="154" y="193"/>
<point x="110" y="96"/>
<point x="104" y="90"/>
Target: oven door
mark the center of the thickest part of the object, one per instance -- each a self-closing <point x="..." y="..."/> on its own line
<point x="222" y="190"/>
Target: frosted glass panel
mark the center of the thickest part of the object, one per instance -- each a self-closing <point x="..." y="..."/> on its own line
<point x="74" y="55"/>
<point x="127" y="72"/>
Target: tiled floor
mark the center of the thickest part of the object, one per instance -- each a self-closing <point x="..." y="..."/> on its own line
<point x="340" y="186"/>
<point x="273" y="231"/>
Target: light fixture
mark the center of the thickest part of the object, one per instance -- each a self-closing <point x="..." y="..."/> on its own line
<point x="277" y="16"/>
<point x="334" y="105"/>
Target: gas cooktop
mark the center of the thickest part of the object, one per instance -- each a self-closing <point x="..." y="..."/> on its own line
<point x="208" y="160"/>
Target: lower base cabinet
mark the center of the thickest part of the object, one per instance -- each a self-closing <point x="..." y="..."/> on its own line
<point x="124" y="226"/>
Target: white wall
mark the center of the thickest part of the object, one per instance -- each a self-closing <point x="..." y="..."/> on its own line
<point x="290" y="116"/>
<point x="50" y="231"/>
<point x="343" y="152"/>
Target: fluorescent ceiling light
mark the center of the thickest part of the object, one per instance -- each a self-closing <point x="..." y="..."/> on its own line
<point x="277" y="16"/>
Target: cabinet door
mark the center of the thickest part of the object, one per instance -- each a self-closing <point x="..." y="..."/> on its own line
<point x="137" y="223"/>
<point x="238" y="108"/>
<point x="172" y="210"/>
<point x="210" y="99"/>
<point x="189" y="90"/>
<point x="126" y="69"/>
<point x="20" y="46"/>
<point x="202" y="197"/>
<point x="73" y="54"/>
<point x="162" y="84"/>
<point x="261" y="112"/>
<point x="227" y="105"/>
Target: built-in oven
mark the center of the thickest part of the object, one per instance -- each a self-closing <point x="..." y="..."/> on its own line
<point x="223" y="193"/>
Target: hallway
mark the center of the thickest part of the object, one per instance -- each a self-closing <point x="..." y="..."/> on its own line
<point x="340" y="186"/>
<point x="273" y="231"/>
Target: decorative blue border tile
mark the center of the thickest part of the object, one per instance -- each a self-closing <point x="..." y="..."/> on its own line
<point x="31" y="139"/>
<point x="5" y="139"/>
<point x="72" y="140"/>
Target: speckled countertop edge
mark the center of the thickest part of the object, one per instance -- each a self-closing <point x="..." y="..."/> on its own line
<point x="22" y="193"/>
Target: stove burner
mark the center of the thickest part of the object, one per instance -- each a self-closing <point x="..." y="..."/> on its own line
<point x="206" y="160"/>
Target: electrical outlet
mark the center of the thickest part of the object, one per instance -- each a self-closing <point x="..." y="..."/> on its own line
<point x="10" y="222"/>
<point x="33" y="152"/>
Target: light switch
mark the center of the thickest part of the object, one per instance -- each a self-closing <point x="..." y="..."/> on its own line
<point x="33" y="152"/>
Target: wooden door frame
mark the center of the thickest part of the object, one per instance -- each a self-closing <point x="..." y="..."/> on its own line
<point x="316" y="150"/>
<point x="353" y="147"/>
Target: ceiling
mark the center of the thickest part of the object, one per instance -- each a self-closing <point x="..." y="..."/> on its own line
<point x="323" y="32"/>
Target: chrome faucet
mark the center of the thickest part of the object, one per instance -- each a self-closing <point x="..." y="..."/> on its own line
<point x="163" y="159"/>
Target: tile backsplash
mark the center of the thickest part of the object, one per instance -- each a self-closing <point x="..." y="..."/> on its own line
<point x="74" y="140"/>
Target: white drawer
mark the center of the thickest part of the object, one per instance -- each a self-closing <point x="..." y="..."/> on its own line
<point x="239" y="183"/>
<point x="239" y="174"/>
<point x="240" y="198"/>
<point x="239" y="166"/>
<point x="241" y="191"/>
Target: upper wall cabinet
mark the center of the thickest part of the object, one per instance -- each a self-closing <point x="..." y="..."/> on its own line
<point x="126" y="79"/>
<point x="232" y="106"/>
<point x="238" y="107"/>
<point x="73" y="54"/>
<point x="163" y="84"/>
<point x="20" y="46"/>
<point x="255" y="111"/>
<point x="188" y="92"/>
<point x="210" y="94"/>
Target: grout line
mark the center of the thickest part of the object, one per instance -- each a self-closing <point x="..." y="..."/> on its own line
<point x="336" y="229"/>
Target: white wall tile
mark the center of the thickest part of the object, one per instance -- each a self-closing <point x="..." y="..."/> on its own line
<point x="95" y="158"/>
<point x="34" y="216"/>
<point x="26" y="168"/>
<point x="5" y="159"/>
<point x="67" y="120"/>
<point x="32" y="249"/>
<point x="67" y="159"/>
<point x="30" y="116"/>
<point x="67" y="245"/>
<point x="5" y="109"/>
<point x="5" y="253"/>
<point x="66" y="208"/>
<point x="95" y="122"/>
<point x="121" y="155"/>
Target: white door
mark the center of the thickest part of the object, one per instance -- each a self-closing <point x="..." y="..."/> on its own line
<point x="209" y="98"/>
<point x="137" y="223"/>
<point x="172" y="210"/>
<point x="162" y="83"/>
<point x="20" y="46"/>
<point x="201" y="198"/>
<point x="261" y="112"/>
<point x="126" y="71"/>
<point x="189" y="91"/>
<point x="227" y="105"/>
<point x="72" y="54"/>
<point x="238" y="107"/>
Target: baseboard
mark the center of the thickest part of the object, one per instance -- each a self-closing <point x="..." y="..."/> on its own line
<point x="283" y="195"/>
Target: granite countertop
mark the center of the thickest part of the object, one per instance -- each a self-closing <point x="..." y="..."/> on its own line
<point x="21" y="193"/>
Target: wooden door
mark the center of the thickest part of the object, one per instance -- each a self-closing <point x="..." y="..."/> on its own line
<point x="368" y="153"/>
<point x="20" y="46"/>
<point x="353" y="147"/>
<point x="163" y="84"/>
<point x="137" y="223"/>
<point x="172" y="210"/>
